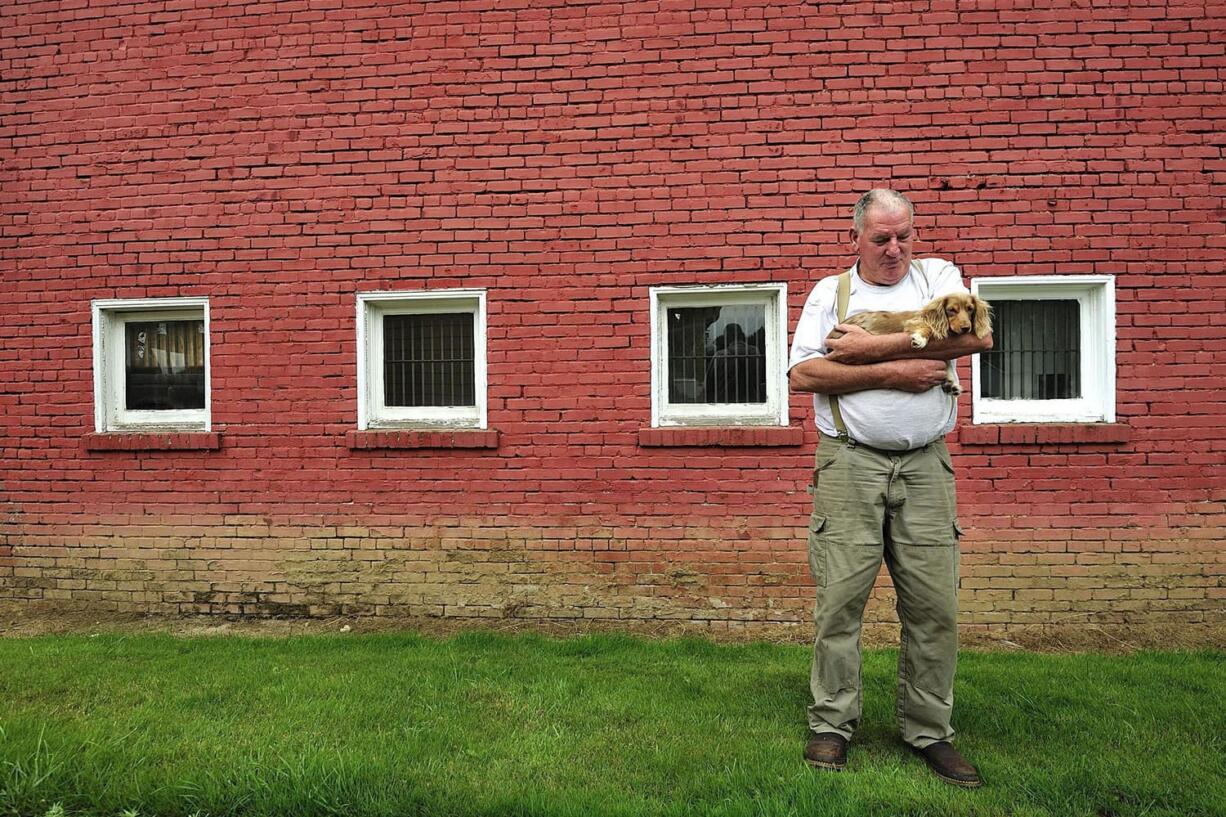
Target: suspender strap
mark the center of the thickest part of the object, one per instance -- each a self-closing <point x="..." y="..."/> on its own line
<point x="844" y="294"/>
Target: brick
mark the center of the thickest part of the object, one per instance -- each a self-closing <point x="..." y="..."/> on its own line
<point x="367" y="440"/>
<point x="178" y="441"/>
<point x="721" y="437"/>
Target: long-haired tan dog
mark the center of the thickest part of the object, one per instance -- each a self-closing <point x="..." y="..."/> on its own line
<point x="955" y="314"/>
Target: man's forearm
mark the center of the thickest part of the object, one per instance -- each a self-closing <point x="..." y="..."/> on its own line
<point x="821" y="376"/>
<point x="949" y="348"/>
<point x="859" y="347"/>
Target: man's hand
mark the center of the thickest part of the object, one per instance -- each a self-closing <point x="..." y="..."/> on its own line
<point x="918" y="374"/>
<point x="857" y="346"/>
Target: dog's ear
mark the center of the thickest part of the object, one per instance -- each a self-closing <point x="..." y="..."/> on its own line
<point x="935" y="318"/>
<point x="983" y="317"/>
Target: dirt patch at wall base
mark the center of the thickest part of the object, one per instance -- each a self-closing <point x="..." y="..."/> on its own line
<point x="25" y="620"/>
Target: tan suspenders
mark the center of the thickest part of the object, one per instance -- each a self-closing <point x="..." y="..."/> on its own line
<point x="844" y="294"/>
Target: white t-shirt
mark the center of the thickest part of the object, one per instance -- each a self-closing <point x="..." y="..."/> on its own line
<point x="883" y="418"/>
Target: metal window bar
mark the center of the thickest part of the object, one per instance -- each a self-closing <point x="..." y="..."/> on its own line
<point x="717" y="355"/>
<point x="1037" y="351"/>
<point x="429" y="360"/>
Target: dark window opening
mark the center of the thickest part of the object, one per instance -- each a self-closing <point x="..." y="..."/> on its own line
<point x="717" y="354"/>
<point x="164" y="365"/>
<point x="429" y="360"/>
<point x="1036" y="352"/>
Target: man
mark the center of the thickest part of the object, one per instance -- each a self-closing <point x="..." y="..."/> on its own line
<point x="883" y="488"/>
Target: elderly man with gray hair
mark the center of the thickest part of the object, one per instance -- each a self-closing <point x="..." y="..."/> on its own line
<point x="883" y="487"/>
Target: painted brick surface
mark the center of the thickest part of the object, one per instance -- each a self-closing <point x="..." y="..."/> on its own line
<point x="281" y="157"/>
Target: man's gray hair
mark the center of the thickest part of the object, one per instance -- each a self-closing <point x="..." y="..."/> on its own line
<point x="879" y="195"/>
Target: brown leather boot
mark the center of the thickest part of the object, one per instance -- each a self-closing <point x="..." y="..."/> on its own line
<point x="950" y="765"/>
<point x="827" y="750"/>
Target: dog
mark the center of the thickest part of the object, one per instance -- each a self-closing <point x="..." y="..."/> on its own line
<point x="956" y="314"/>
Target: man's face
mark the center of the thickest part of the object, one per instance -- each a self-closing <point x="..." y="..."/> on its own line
<point x="884" y="245"/>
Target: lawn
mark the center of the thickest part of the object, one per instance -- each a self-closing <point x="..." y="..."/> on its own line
<point x="488" y="724"/>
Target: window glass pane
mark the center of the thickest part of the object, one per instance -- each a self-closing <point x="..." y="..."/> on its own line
<point x="428" y="360"/>
<point x="164" y="365"/>
<point x="1036" y="352"/>
<point x="717" y="354"/>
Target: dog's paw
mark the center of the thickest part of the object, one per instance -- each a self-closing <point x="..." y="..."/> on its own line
<point x="950" y="387"/>
<point x="918" y="340"/>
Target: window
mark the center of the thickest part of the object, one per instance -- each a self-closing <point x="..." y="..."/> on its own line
<point x="717" y="355"/>
<point x="151" y="364"/>
<point x="421" y="359"/>
<point x="1053" y="355"/>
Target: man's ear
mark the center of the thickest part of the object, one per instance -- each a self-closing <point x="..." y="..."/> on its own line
<point x="854" y="238"/>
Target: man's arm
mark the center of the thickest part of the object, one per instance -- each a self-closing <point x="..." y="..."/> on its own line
<point x="824" y="376"/>
<point x="858" y="347"/>
<point x="859" y="361"/>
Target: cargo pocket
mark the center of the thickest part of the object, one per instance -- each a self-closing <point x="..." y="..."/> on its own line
<point x="817" y="549"/>
<point x="830" y="494"/>
<point x="946" y="462"/>
<point x="958" y="534"/>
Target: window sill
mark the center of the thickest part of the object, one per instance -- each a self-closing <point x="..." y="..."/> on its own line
<point x="722" y="436"/>
<point x="471" y="438"/>
<point x="1039" y="433"/>
<point x="154" y="441"/>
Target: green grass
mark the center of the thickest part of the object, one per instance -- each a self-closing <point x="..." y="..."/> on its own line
<point x="484" y="724"/>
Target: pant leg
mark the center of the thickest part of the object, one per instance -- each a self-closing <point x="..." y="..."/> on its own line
<point x="922" y="556"/>
<point x="845" y="546"/>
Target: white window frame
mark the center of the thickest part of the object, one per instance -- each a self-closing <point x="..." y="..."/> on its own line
<point x="109" y="318"/>
<point x="773" y="299"/>
<point x="1095" y="294"/>
<point x="372" y="307"/>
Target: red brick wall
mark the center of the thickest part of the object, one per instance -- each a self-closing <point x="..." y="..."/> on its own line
<point x="280" y="156"/>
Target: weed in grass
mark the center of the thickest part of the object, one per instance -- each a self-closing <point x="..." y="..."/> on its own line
<point x="25" y="778"/>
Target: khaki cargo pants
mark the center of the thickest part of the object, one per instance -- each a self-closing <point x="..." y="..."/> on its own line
<point x="870" y="504"/>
